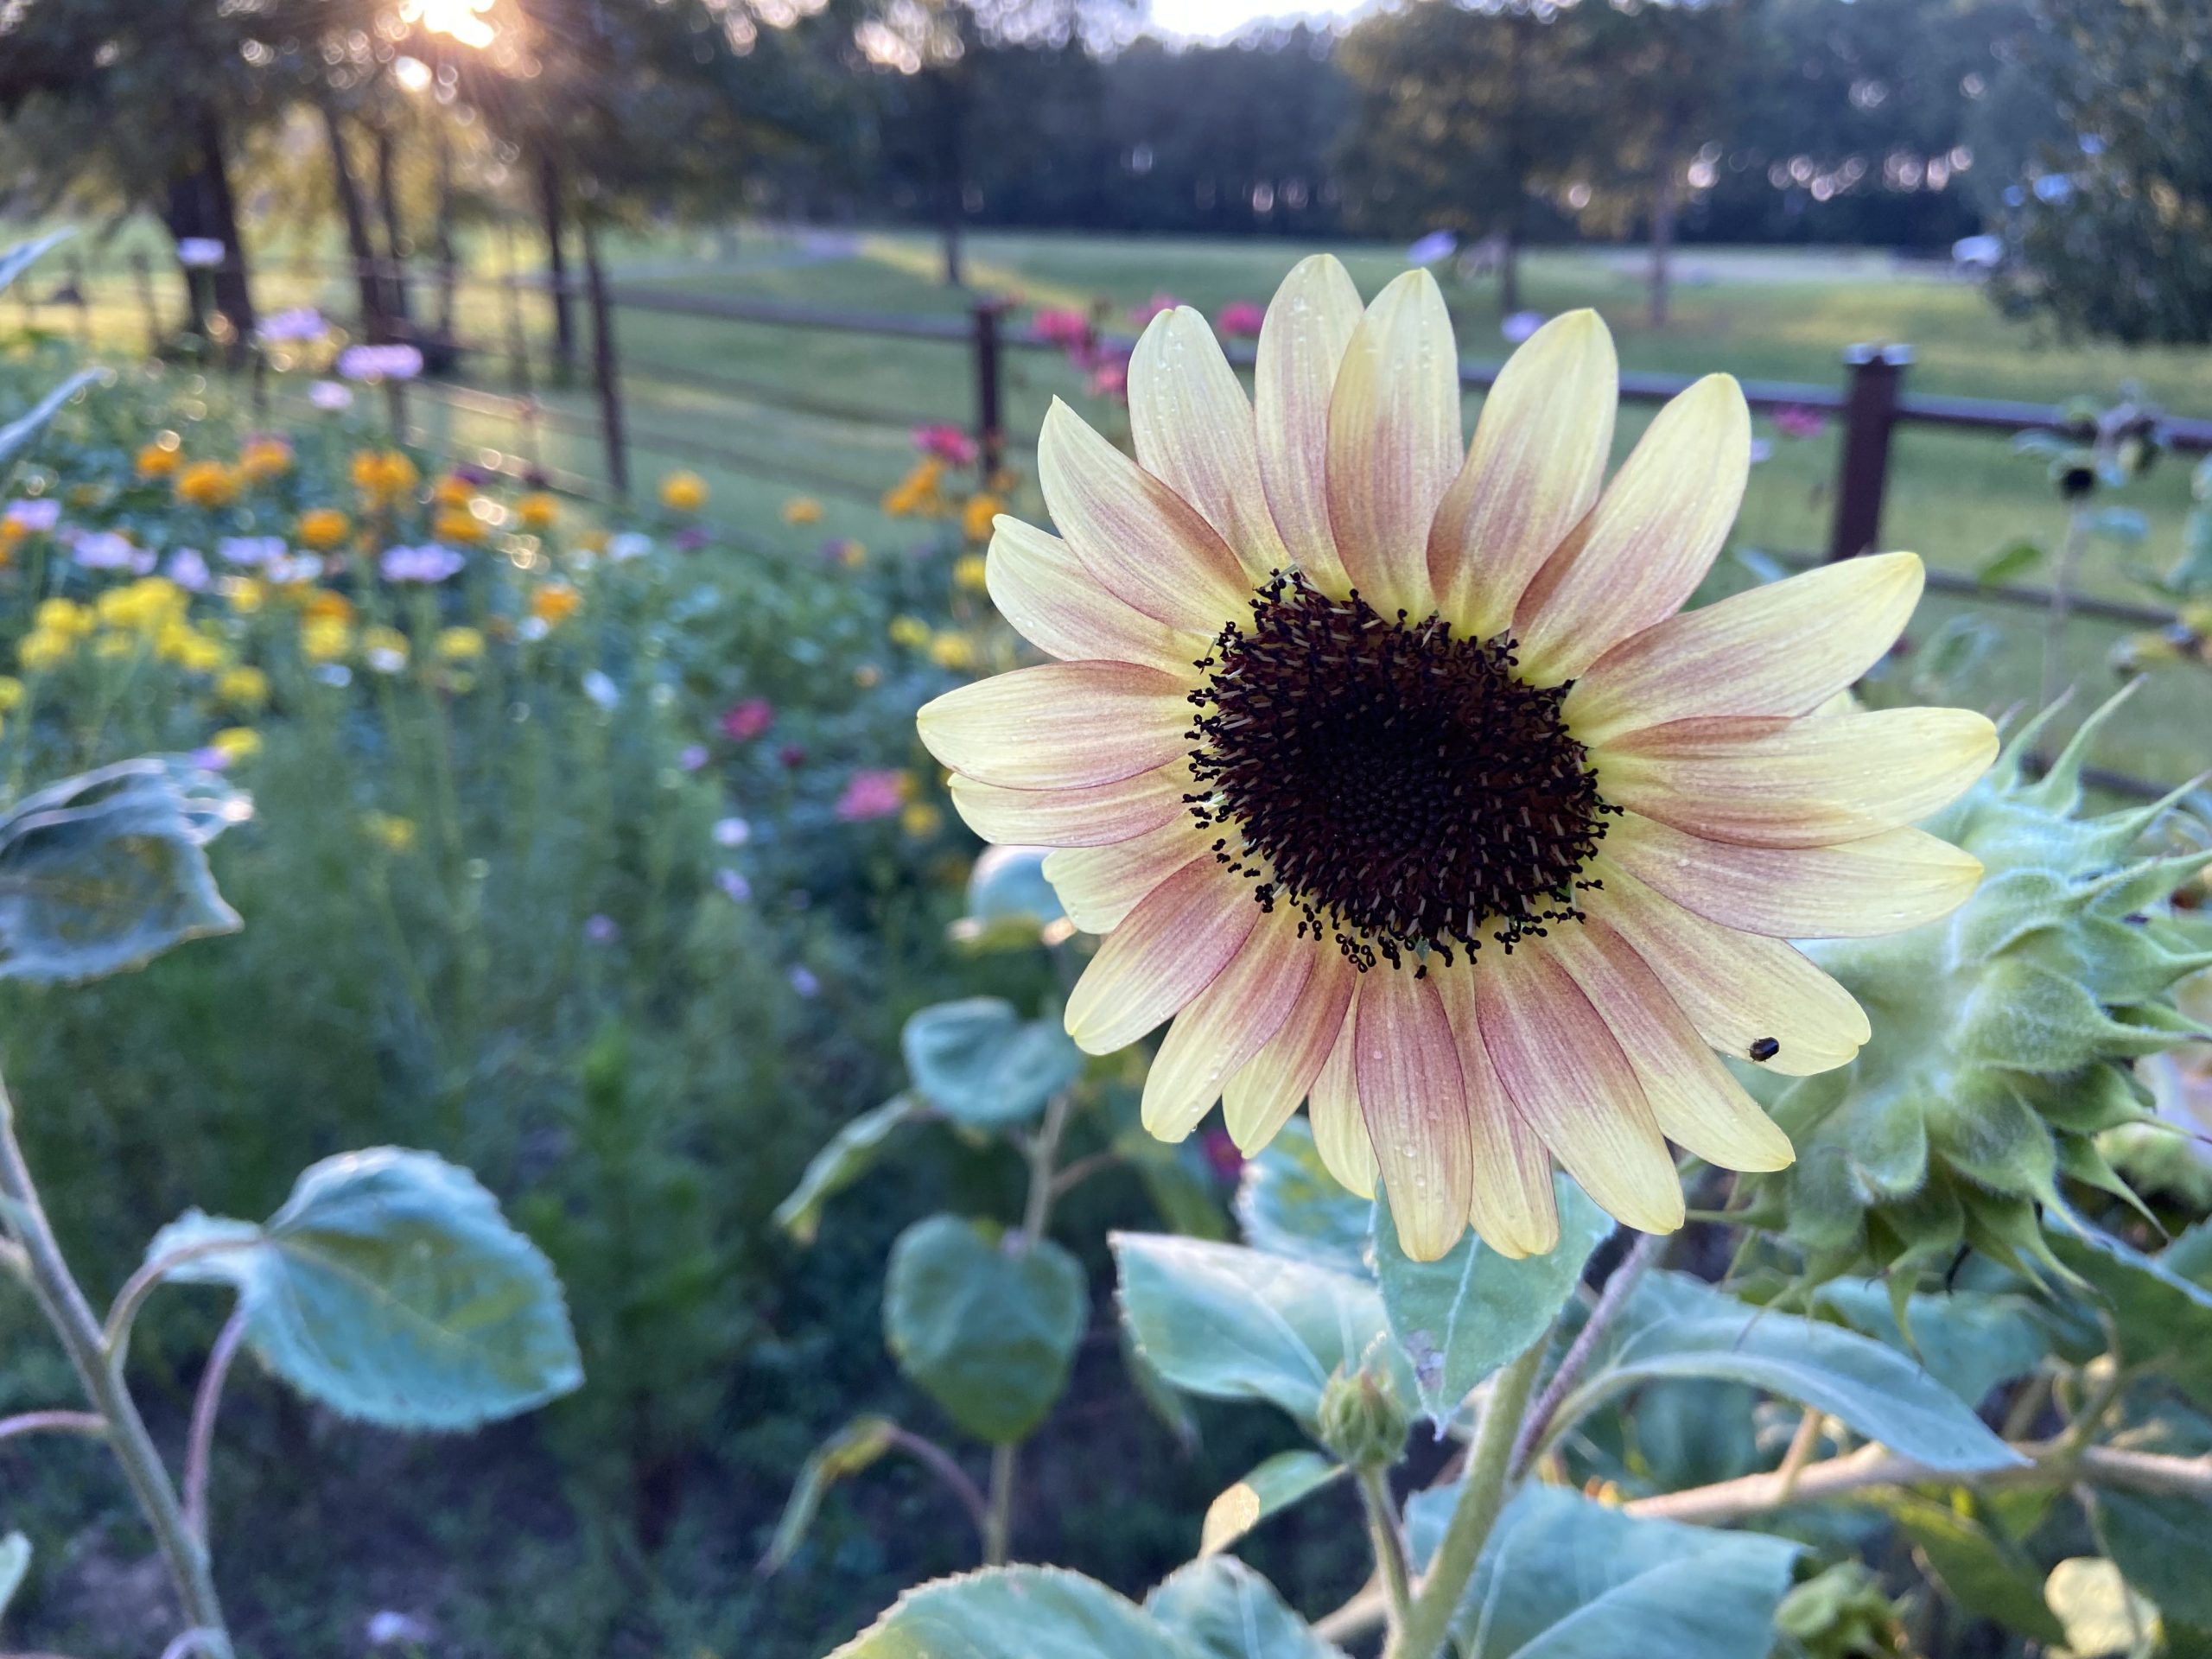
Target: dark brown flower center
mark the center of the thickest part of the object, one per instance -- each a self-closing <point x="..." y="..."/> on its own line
<point x="1402" y="789"/>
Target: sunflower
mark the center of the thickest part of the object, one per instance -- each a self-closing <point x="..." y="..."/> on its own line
<point x="1394" y="779"/>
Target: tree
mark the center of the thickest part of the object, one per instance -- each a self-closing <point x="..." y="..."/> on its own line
<point x="1459" y="116"/>
<point x="2111" y="217"/>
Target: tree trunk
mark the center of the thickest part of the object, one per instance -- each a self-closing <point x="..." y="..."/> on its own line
<point x="182" y="217"/>
<point x="355" y="214"/>
<point x="233" y="284"/>
<point x="399" y="303"/>
<point x="557" y="266"/>
<point x="1663" y="237"/>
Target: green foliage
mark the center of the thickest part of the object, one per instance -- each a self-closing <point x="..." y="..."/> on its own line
<point x="15" y="1563"/>
<point x="1234" y="1324"/>
<point x="1565" y="1578"/>
<point x="1459" y="1319"/>
<point x="2163" y="1311"/>
<point x="984" y="1323"/>
<point x="390" y="1288"/>
<point x="1840" y="1613"/>
<point x="1985" y="1573"/>
<point x="106" y="871"/>
<point x="1226" y="1610"/>
<point x="1017" y="1613"/>
<point x="1289" y="1204"/>
<point x="1971" y="1342"/>
<point x="854" y="1151"/>
<point x="981" y="1064"/>
<point x="1287" y="1478"/>
<point x="1675" y="1327"/>
<point x="855" y="1447"/>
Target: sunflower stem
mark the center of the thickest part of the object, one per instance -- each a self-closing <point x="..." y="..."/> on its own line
<point x="1611" y="1300"/>
<point x="1483" y="1492"/>
<point x="1390" y="1544"/>
<point x="998" y="1520"/>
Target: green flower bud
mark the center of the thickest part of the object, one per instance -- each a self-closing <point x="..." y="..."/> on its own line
<point x="1841" y="1614"/>
<point x="1362" y="1419"/>
<point x="2005" y="1036"/>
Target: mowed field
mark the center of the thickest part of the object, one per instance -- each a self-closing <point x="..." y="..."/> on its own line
<point x="769" y="412"/>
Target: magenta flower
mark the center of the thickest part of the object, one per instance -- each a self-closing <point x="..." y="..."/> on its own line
<point x="872" y="794"/>
<point x="1240" y="320"/>
<point x="1111" y="378"/>
<point x="1222" y="1156"/>
<point x="1153" y="307"/>
<point x="947" y="443"/>
<point x="1796" y="421"/>
<point x="1064" y="326"/>
<point x="748" y="719"/>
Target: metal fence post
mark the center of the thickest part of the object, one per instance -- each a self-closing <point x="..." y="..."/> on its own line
<point x="990" y="432"/>
<point x="1870" y="414"/>
<point x="605" y="369"/>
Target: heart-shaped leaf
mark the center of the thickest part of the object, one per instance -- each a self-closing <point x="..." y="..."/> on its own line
<point x="980" y="1063"/>
<point x="1017" y="1612"/>
<point x="984" y="1327"/>
<point x="1289" y="1204"/>
<point x="107" y="870"/>
<point x="1460" y="1317"/>
<point x="390" y="1289"/>
<point x="1226" y="1610"/>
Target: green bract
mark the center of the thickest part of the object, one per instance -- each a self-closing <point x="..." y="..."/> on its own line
<point x="2003" y="1035"/>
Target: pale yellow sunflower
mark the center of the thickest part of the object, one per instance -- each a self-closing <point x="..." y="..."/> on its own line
<point x="1391" y="775"/>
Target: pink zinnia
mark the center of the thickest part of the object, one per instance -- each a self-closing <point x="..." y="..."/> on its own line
<point x="872" y="794"/>
<point x="748" y="719"/>
<point x="1111" y="378"/>
<point x="1153" y="307"/>
<point x="947" y="443"/>
<point x="1795" y="421"/>
<point x="1064" y="326"/>
<point x="1241" y="319"/>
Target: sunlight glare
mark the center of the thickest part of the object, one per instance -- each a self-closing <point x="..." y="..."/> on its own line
<point x="463" y="20"/>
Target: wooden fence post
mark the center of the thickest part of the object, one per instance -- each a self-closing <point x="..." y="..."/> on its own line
<point x="143" y="276"/>
<point x="990" y="432"/>
<point x="605" y="369"/>
<point x="1870" y="414"/>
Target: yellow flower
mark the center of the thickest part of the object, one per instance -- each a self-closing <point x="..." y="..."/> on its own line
<point x="801" y="510"/>
<point x="453" y="490"/>
<point x="236" y="743"/>
<point x="592" y="541"/>
<point x="326" y="639"/>
<point x="458" y="527"/>
<point x="324" y="603"/>
<point x="920" y="820"/>
<point x="969" y="573"/>
<point x="851" y="554"/>
<point x="245" y="689"/>
<point x="160" y="458"/>
<point x="146" y="605"/>
<point x="262" y="459"/>
<point x="460" y="645"/>
<point x="383" y="476"/>
<point x="385" y="650"/>
<point x="11" y="532"/>
<point x="1311" y="824"/>
<point x="917" y="495"/>
<point x="395" y="834"/>
<point x="323" y="528"/>
<point x="953" y="650"/>
<point x="43" y="649"/>
<point x="683" y="491"/>
<point x="207" y="484"/>
<point x="976" y="517"/>
<point x="555" y="603"/>
<point x="538" y="510"/>
<point x="11" y="694"/>
<point x="247" y="594"/>
<point x="64" y="617"/>
<point x="189" y="649"/>
<point x="910" y="632"/>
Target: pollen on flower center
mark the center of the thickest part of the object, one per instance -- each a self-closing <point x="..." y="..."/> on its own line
<point x="1402" y="789"/>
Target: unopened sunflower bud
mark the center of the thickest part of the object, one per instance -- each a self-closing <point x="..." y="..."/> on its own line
<point x="2005" y="1036"/>
<point x="1841" y="1614"/>
<point x="1362" y="1419"/>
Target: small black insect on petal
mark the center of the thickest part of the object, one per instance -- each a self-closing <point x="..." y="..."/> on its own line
<point x="1405" y="792"/>
<point x="1765" y="1048"/>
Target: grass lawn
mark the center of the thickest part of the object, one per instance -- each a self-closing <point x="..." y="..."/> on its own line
<point x="767" y="412"/>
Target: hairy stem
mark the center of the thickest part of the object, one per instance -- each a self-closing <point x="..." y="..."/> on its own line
<point x="73" y="1322"/>
<point x="1639" y="1261"/>
<point x="1389" y="1543"/>
<point x="52" y="1422"/>
<point x="1482" y="1496"/>
<point x="205" y="1405"/>
<point x="998" y="1520"/>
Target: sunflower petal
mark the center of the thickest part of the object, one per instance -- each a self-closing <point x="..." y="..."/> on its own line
<point x="1859" y="889"/>
<point x="1778" y="782"/>
<point x="1180" y="935"/>
<point x="1567" y="1076"/>
<point x="1042" y="589"/>
<point x="1649" y="541"/>
<point x="1143" y="543"/>
<point x="1698" y="1105"/>
<point x="1192" y="428"/>
<point x="1059" y="725"/>
<point x="1260" y="1098"/>
<point x="1227" y="1025"/>
<point x="1100" y="885"/>
<point x="1514" y="1208"/>
<point x="1309" y="323"/>
<point x="1740" y="991"/>
<point x="1393" y="442"/>
<point x="1090" y="817"/>
<point x="1533" y="472"/>
<point x="1339" y="1132"/>
<point x="1782" y="649"/>
<point x="1406" y="1069"/>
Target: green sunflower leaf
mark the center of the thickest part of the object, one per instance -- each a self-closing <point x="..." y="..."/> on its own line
<point x="1017" y="1613"/>
<point x="980" y="1063"/>
<point x="1226" y="1610"/>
